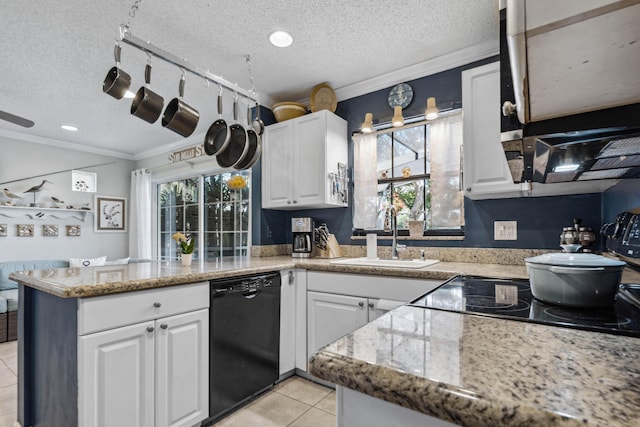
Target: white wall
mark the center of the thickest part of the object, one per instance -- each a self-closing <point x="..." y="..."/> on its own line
<point x="20" y="159"/>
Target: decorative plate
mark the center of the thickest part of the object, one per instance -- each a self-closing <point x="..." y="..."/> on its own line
<point x="323" y="98"/>
<point x="401" y="95"/>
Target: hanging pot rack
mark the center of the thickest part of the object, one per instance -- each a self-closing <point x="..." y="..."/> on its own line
<point x="150" y="49"/>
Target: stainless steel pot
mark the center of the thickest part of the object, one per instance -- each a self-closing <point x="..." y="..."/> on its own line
<point x="117" y="82"/>
<point x="574" y="279"/>
<point x="147" y="104"/>
<point x="179" y="116"/>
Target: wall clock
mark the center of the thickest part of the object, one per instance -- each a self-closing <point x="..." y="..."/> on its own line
<point x="401" y="94"/>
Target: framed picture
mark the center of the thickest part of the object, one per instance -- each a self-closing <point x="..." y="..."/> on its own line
<point x="25" y="230"/>
<point x="111" y="213"/>
<point x="73" y="230"/>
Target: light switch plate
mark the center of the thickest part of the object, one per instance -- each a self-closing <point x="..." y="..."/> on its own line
<point x="505" y="230"/>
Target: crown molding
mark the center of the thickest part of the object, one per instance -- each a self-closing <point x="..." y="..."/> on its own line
<point x="422" y="69"/>
<point x="21" y="136"/>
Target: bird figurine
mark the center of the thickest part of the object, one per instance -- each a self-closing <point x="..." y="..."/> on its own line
<point x="36" y="189"/>
<point x="57" y="201"/>
<point x="11" y="195"/>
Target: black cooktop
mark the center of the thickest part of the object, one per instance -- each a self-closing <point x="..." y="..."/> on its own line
<point x="512" y="299"/>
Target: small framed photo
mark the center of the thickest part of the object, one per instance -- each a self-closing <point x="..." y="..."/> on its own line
<point x="25" y="230"/>
<point x="110" y="213"/>
<point x="73" y="230"/>
<point x="84" y="181"/>
<point x="50" y="230"/>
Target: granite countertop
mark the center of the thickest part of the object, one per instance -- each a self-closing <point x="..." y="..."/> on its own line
<point x="474" y="370"/>
<point x="95" y="281"/>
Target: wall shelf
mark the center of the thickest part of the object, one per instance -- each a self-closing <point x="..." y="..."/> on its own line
<point x="40" y="214"/>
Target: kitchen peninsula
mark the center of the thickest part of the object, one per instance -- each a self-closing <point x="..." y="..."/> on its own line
<point x="465" y="369"/>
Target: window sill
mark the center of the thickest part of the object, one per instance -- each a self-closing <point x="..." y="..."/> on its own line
<point x="383" y="237"/>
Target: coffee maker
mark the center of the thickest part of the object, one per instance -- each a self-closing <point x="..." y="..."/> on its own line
<point x="302" y="230"/>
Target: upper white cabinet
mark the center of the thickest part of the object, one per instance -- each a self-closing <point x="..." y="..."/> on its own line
<point x="298" y="159"/>
<point x="486" y="172"/>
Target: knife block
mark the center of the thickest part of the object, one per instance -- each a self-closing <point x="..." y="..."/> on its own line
<point x="333" y="248"/>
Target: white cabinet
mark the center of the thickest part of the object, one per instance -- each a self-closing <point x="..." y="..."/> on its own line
<point x="486" y="172"/>
<point x="293" y="321"/>
<point x="297" y="159"/>
<point x="154" y="372"/>
<point x="338" y="304"/>
<point x="331" y="316"/>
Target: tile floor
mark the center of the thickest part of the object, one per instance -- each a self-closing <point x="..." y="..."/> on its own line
<point x="295" y="402"/>
<point x="8" y="383"/>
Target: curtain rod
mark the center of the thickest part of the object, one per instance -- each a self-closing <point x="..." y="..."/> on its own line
<point x="145" y="46"/>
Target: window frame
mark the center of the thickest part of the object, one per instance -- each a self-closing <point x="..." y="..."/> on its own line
<point x="411" y="123"/>
<point x="201" y="233"/>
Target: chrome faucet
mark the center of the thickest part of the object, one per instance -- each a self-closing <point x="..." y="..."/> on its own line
<point x="391" y="224"/>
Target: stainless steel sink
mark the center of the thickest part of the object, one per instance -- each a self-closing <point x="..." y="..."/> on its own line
<point x="392" y="263"/>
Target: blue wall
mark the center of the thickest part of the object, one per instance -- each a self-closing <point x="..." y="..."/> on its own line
<point x="622" y="197"/>
<point x="540" y="220"/>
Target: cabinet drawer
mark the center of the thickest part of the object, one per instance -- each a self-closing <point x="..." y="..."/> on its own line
<point x="112" y="311"/>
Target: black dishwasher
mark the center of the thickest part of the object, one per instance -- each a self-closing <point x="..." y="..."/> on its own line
<point x="244" y="339"/>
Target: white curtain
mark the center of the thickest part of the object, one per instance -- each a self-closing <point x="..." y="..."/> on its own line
<point x="446" y="149"/>
<point x="365" y="193"/>
<point x="140" y="215"/>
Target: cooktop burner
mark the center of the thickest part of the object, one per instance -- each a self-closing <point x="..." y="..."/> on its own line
<point x="512" y="299"/>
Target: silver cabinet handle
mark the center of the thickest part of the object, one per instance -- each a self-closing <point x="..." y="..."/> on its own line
<point x="370" y="305"/>
<point x="295" y="201"/>
<point x="164" y="326"/>
<point x="360" y="304"/>
<point x="288" y="202"/>
<point x="157" y="304"/>
<point x="150" y="328"/>
<point x="290" y="277"/>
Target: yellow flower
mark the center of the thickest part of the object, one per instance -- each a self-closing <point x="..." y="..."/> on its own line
<point x="179" y="237"/>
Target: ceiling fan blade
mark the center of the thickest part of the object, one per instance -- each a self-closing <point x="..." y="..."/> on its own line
<point x="20" y="121"/>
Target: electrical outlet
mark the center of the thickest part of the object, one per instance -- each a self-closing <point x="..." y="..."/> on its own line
<point x="505" y="230"/>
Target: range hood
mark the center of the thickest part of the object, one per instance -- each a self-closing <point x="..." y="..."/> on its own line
<point x="571" y="89"/>
<point x="573" y="56"/>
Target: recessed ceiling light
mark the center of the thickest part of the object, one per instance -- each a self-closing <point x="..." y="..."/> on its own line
<point x="280" y="39"/>
<point x="70" y="128"/>
<point x="129" y="94"/>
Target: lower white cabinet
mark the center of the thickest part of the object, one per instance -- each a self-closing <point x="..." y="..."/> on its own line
<point x="331" y="316"/>
<point x="151" y="373"/>
<point x="339" y="303"/>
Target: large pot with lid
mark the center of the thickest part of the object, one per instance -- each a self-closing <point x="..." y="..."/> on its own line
<point x="574" y="279"/>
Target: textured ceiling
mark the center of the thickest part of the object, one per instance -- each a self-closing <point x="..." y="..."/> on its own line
<point x="55" y="55"/>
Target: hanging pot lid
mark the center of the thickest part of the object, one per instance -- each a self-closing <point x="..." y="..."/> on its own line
<point x="575" y="260"/>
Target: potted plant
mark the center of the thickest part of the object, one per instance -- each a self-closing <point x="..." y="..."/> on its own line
<point x="186" y="244"/>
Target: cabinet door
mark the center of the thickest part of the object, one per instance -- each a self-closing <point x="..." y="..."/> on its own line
<point x="486" y="172"/>
<point x="116" y="377"/>
<point x="378" y="307"/>
<point x="287" y="321"/>
<point x="332" y="316"/>
<point x="309" y="169"/>
<point x="182" y="369"/>
<point x="277" y="161"/>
